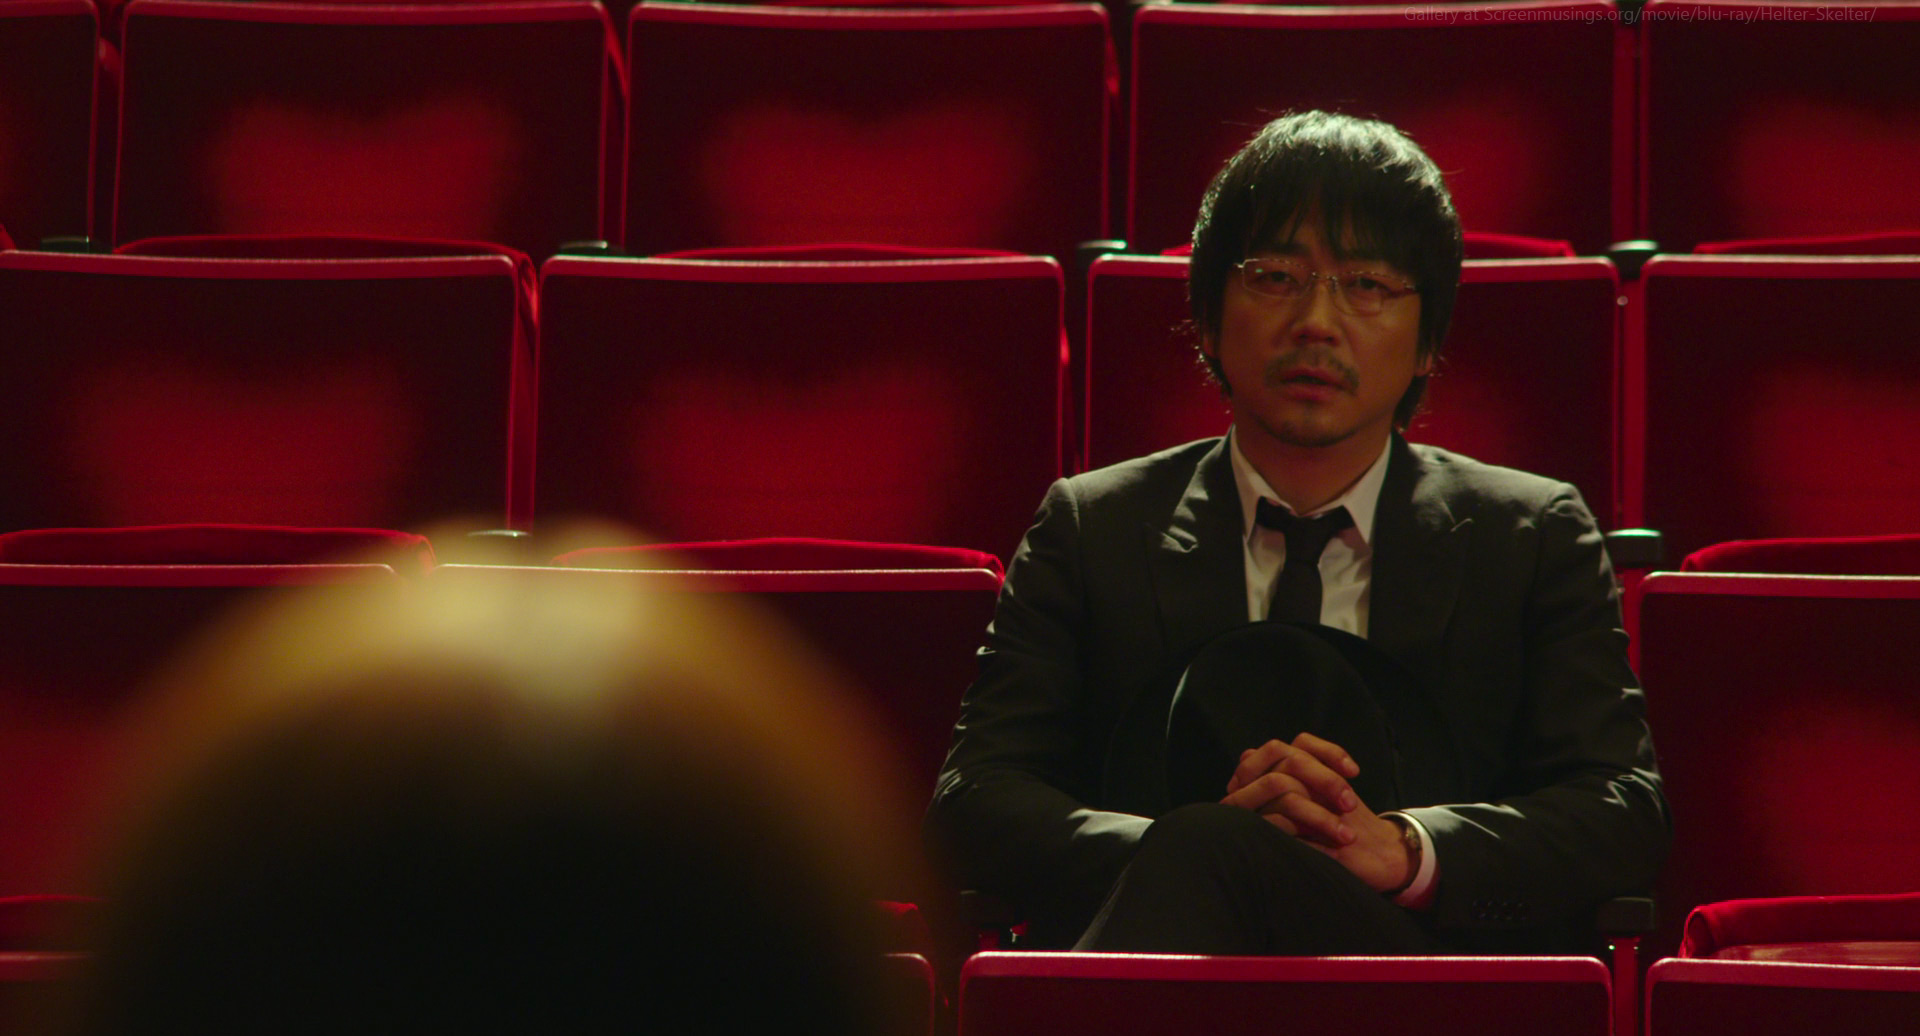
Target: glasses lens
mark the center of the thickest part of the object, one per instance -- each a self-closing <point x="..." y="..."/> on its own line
<point x="1277" y="278"/>
<point x="1365" y="293"/>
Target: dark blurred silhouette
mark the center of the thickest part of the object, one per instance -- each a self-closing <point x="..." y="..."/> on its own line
<point x="551" y="806"/>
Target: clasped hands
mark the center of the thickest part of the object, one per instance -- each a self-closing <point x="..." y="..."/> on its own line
<point x="1301" y="788"/>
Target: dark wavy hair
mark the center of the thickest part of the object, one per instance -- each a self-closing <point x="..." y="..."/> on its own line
<point x="1372" y="188"/>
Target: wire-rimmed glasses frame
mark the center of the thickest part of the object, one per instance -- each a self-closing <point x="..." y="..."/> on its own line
<point x="1360" y="293"/>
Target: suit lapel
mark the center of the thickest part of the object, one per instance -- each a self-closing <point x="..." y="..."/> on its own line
<point x="1419" y="553"/>
<point x="1194" y="561"/>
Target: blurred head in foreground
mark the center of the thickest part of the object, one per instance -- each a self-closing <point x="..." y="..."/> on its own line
<point x="533" y="802"/>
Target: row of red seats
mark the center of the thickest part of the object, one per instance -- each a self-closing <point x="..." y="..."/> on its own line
<point x="531" y="123"/>
<point x="910" y="400"/>
<point x="1762" y="801"/>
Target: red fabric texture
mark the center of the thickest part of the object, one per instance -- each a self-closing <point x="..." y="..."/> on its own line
<point x="849" y="251"/>
<point x="1714" y="927"/>
<point x="1480" y="244"/>
<point x="904" y="928"/>
<point x="1895" y="555"/>
<point x="309" y="246"/>
<point x="969" y="127"/>
<point x="785" y="554"/>
<point x="1891" y="242"/>
<point x="404" y="552"/>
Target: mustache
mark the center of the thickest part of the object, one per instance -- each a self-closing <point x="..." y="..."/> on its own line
<point x="1318" y="359"/>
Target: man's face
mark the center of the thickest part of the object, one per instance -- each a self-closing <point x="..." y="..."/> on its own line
<point x="1303" y="373"/>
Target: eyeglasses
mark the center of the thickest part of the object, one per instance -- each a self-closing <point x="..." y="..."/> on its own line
<point x="1360" y="293"/>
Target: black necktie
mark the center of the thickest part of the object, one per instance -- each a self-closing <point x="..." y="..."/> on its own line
<point x="1296" y="595"/>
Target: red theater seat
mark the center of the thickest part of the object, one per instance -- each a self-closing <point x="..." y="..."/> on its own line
<point x="1869" y="930"/>
<point x="1516" y="103"/>
<point x="938" y="127"/>
<point x="1099" y="994"/>
<point x="907" y="401"/>
<point x="469" y="121"/>
<point x="365" y="393"/>
<point x="1834" y="555"/>
<point x="1772" y="397"/>
<point x="1748" y="674"/>
<point x="78" y="644"/>
<point x="405" y="553"/>
<point x="46" y="118"/>
<point x="1527" y="374"/>
<point x="778" y="555"/>
<point x="1774" y="999"/>
<point x="1732" y="148"/>
<point x="1887" y="242"/>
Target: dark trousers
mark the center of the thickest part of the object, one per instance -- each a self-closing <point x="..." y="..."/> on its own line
<point x="1216" y="879"/>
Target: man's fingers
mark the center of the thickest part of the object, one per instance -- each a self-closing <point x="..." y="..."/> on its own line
<point x="1335" y="757"/>
<point x="1303" y="761"/>
<point x="1257" y="761"/>
<point x="1278" y="795"/>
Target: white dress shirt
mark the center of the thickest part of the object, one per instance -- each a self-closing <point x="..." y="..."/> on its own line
<point x="1346" y="577"/>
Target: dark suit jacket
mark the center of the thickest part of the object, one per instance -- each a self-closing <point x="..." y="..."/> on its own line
<point x="1490" y="584"/>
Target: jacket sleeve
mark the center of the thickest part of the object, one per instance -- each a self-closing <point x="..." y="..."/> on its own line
<point x="1580" y="815"/>
<point x="1009" y="813"/>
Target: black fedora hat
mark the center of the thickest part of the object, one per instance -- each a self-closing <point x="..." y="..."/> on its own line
<point x="1272" y="681"/>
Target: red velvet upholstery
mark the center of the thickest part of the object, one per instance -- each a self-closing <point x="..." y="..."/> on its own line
<point x="1750" y="427"/>
<point x="1783" y="708"/>
<point x="905" y="638"/>
<point x="940" y="127"/>
<point x="1686" y="997"/>
<point x="46" y="118"/>
<point x="785" y="554"/>
<point x="406" y="553"/>
<point x="1088" y="994"/>
<point x="1497" y="397"/>
<point x="1487" y="245"/>
<point x="1838" y="555"/>
<point x="1891" y="242"/>
<point x="1520" y="110"/>
<point x="309" y="246"/>
<point x="1732" y="148"/>
<point x="898" y="401"/>
<point x="471" y="121"/>
<point x="1881" y="930"/>
<point x="77" y="645"/>
<point x="367" y="393"/>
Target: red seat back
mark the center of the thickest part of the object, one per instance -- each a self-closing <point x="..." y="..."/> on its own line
<point x="1753" y="425"/>
<point x="1733" y="149"/>
<point x="890" y="401"/>
<point x="1771" y="999"/>
<point x="368" y="393"/>
<point x="46" y="118"/>
<point x="1084" y="994"/>
<point x="1518" y="106"/>
<point x="472" y="121"/>
<point x="941" y="127"/>
<point x="1743" y="672"/>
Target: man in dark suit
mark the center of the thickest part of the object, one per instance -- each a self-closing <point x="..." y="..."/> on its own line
<point x="1326" y="258"/>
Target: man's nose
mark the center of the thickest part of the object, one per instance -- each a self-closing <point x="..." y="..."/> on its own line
<point x="1318" y="310"/>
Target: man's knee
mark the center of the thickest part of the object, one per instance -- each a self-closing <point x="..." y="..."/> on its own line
<point x="1211" y="836"/>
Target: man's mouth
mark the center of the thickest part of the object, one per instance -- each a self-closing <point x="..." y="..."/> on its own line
<point x="1310" y="376"/>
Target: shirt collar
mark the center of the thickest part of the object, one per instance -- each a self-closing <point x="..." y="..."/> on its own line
<point x="1360" y="499"/>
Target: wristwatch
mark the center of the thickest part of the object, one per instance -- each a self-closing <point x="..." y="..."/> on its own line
<point x="1411" y="839"/>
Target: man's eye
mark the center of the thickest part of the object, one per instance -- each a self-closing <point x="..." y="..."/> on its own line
<point x="1277" y="277"/>
<point x="1368" y="284"/>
